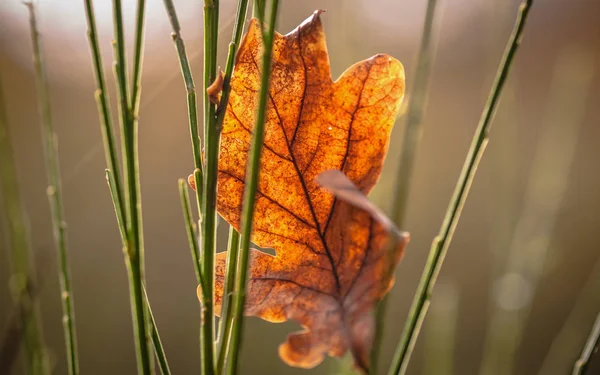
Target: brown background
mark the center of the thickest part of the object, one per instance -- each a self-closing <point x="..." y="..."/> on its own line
<point x="525" y="253"/>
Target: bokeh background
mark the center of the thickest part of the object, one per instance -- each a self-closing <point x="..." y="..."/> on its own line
<point x="521" y="285"/>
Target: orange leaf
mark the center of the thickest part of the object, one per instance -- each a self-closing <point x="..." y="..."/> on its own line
<point x="330" y="266"/>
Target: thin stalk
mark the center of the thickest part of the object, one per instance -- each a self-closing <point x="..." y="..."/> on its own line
<point x="441" y="243"/>
<point x="250" y="189"/>
<point x="190" y="88"/>
<point x="22" y="269"/>
<point x="128" y="215"/>
<point x="102" y="100"/>
<point x="138" y="58"/>
<point x="208" y="204"/>
<point x="238" y="28"/>
<point x="161" y="357"/>
<point x="112" y="186"/>
<point x="120" y="72"/>
<point x="212" y="164"/>
<point x="189" y="226"/>
<point x="113" y="174"/>
<point x="591" y="347"/>
<point x="133" y="168"/>
<point x="226" y="321"/>
<point x="258" y="10"/>
<point x="157" y="343"/>
<point x="54" y="193"/>
<point x="129" y="125"/>
<point x="410" y="145"/>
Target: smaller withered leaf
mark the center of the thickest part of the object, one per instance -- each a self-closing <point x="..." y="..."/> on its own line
<point x="330" y="266"/>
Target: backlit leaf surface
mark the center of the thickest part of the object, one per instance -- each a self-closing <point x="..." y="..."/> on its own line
<point x="330" y="265"/>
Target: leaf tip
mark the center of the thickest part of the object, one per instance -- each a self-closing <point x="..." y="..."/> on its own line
<point x="192" y="181"/>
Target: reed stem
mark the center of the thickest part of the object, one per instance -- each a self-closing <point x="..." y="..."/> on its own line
<point x="54" y="192"/>
<point x="190" y="88"/>
<point x="209" y="199"/>
<point x="23" y="274"/>
<point x="226" y="322"/>
<point x="591" y="347"/>
<point x="190" y="227"/>
<point x="442" y="241"/>
<point x="410" y="145"/>
<point x="250" y="189"/>
<point x="126" y="198"/>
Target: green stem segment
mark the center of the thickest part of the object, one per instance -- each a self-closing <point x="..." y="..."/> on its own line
<point x="129" y="132"/>
<point x="189" y="226"/>
<point x="250" y="189"/>
<point x="23" y="275"/>
<point x="226" y="322"/>
<point x="441" y="243"/>
<point x="54" y="192"/>
<point x="161" y="356"/>
<point x="411" y="141"/>
<point x="126" y="199"/>
<point x="157" y="343"/>
<point x="231" y="54"/>
<point x="190" y="87"/>
<point x="209" y="187"/>
<point x="591" y="347"/>
<point x="102" y="101"/>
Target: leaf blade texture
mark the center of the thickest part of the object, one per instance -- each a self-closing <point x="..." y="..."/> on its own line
<point x="329" y="269"/>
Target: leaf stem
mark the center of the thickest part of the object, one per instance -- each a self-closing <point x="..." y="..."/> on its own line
<point x="442" y="241"/>
<point x="54" y="193"/>
<point x="250" y="189"/>
<point x="209" y="199"/>
<point x="591" y="347"/>
<point x="411" y="141"/>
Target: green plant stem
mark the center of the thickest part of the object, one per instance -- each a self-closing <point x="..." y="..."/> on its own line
<point x="128" y="215"/>
<point x="250" y="189"/>
<point x="411" y="141"/>
<point x="158" y="347"/>
<point x="22" y="269"/>
<point x="54" y="192"/>
<point x="258" y="10"/>
<point x="441" y="243"/>
<point x="226" y="322"/>
<point x="129" y="130"/>
<point x="591" y="347"/>
<point x="190" y="87"/>
<point x="231" y="54"/>
<point x="112" y="186"/>
<point x="209" y="213"/>
<point x="161" y="356"/>
<point x="101" y="95"/>
<point x="138" y="59"/>
<point x="189" y="226"/>
<point x="133" y="168"/>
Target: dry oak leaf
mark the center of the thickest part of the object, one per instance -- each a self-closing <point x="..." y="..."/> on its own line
<point x="330" y="268"/>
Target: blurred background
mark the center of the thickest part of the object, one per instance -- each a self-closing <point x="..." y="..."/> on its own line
<point x="520" y="288"/>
